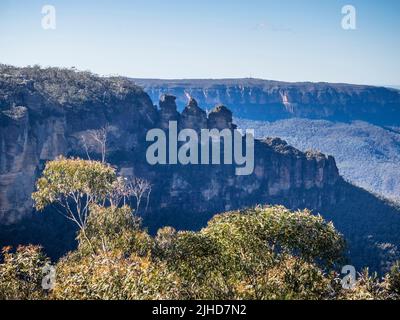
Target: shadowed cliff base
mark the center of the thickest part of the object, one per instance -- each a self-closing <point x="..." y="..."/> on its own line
<point x="369" y="224"/>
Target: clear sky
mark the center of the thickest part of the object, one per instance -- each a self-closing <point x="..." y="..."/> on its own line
<point x="292" y="40"/>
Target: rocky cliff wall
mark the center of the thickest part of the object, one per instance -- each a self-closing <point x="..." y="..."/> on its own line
<point x="272" y="100"/>
<point x="51" y="112"/>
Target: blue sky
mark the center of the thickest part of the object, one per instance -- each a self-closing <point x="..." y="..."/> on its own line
<point x="291" y="40"/>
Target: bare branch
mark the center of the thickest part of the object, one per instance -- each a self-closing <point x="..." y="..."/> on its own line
<point x="138" y="188"/>
<point x="86" y="147"/>
<point x="100" y="136"/>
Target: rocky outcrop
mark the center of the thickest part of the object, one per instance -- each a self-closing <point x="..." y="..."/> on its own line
<point x="272" y="100"/>
<point x="193" y="117"/>
<point x="221" y="118"/>
<point x="168" y="111"/>
<point x="282" y="174"/>
<point x="47" y="113"/>
<point x="51" y="112"/>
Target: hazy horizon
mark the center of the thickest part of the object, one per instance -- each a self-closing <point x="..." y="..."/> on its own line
<point x="393" y="86"/>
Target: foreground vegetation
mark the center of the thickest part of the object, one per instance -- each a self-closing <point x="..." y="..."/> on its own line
<point x="259" y="253"/>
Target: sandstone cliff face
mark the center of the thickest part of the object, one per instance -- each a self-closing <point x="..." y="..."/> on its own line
<point x="282" y="174"/>
<point x="44" y="114"/>
<point x="193" y="117"/>
<point x="220" y="118"/>
<point x="47" y="113"/>
<point x="272" y="100"/>
<point x="167" y="111"/>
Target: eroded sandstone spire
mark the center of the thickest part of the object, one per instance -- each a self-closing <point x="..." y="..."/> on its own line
<point x="168" y="110"/>
<point x="193" y="117"/>
<point x="220" y="118"/>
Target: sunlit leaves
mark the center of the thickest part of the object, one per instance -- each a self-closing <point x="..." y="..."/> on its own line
<point x="65" y="179"/>
<point x="21" y="273"/>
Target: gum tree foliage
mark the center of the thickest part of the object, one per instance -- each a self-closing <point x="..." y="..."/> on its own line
<point x="229" y="259"/>
<point x="114" y="229"/>
<point x="123" y="266"/>
<point x="370" y="287"/>
<point x="73" y="185"/>
<point x="392" y="281"/>
<point x="111" y="276"/>
<point x="21" y="273"/>
<point x="280" y="231"/>
<point x="261" y="253"/>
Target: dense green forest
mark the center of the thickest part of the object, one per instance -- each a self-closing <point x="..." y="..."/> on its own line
<point x="259" y="253"/>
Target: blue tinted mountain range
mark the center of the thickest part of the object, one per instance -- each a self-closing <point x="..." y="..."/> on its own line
<point x="357" y="124"/>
